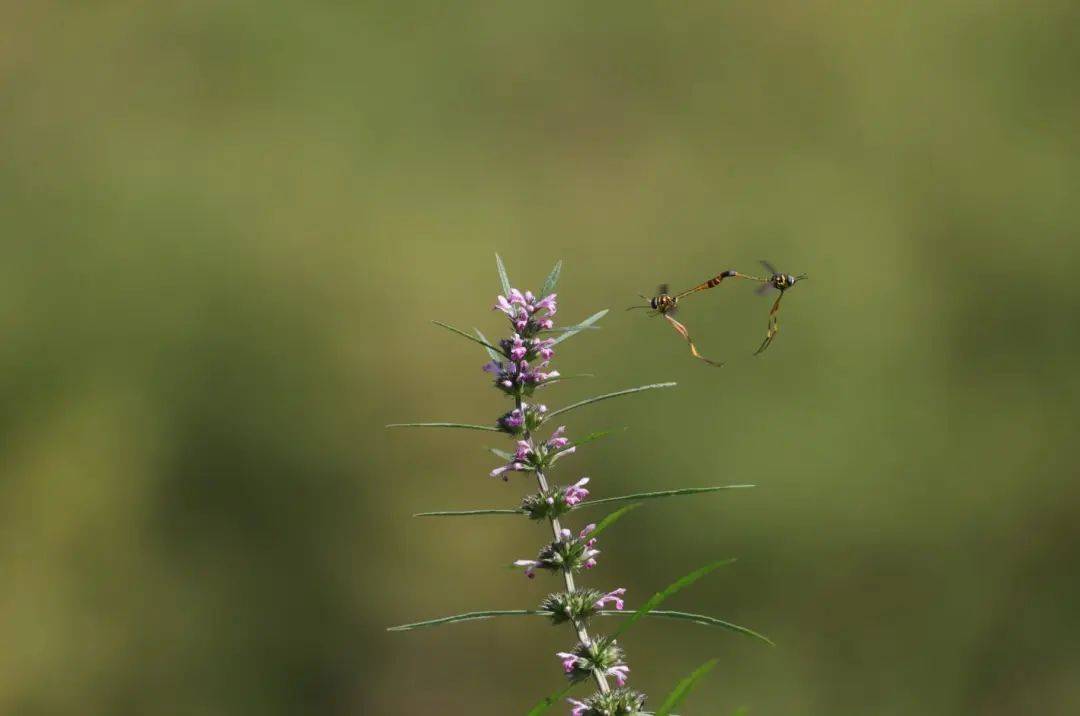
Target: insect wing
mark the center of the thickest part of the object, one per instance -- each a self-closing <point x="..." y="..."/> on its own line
<point x="769" y="267"/>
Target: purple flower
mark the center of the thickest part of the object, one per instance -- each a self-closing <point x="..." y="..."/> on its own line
<point x="621" y="672"/>
<point x="545" y="348"/>
<point x="524" y="459"/>
<point x="527" y="457"/>
<point x="512" y="421"/>
<point x="505" y="306"/>
<point x="536" y="377"/>
<point x="507" y="375"/>
<point x="569" y="661"/>
<point x="557" y="441"/>
<point x="517" y="348"/>
<point x="514" y="375"/>
<point x="590" y="552"/>
<point x="589" y="555"/>
<point x="547" y="303"/>
<point x="576" y="492"/>
<point x="580" y="707"/>
<point x="601" y="656"/>
<point x="613" y="596"/>
<point x="514" y="466"/>
<point x="527" y="314"/>
<point x="530" y="566"/>
<point x="518" y="420"/>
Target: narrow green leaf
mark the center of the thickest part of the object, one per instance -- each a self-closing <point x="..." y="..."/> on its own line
<point x="699" y="619"/>
<point x="587" y="439"/>
<point x="467" y="617"/>
<point x="683" y="688"/>
<point x="492" y="351"/>
<point x="595" y="436"/>
<point x="656" y="613"/>
<point x="561" y="378"/>
<point x="463" y="513"/>
<point x="503" y="278"/>
<point x="570" y="329"/>
<point x="558" y="456"/>
<point x="587" y="323"/>
<point x="661" y="493"/>
<point x="464" y="426"/>
<point x="552" y="279"/>
<point x="502" y="454"/>
<point x="490" y="348"/>
<point x="549" y="701"/>
<point x="598" y="398"/>
<point x="612" y="519"/>
<point x="586" y="503"/>
<point x="676" y="586"/>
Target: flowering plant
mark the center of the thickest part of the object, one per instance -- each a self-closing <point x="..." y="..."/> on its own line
<point x="521" y="366"/>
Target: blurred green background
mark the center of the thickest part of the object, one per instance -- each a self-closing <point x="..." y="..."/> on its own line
<point x="227" y="225"/>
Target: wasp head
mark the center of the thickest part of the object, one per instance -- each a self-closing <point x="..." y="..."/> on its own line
<point x="784" y="281"/>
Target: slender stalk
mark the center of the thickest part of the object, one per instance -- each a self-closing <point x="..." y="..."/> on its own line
<point x="568" y="577"/>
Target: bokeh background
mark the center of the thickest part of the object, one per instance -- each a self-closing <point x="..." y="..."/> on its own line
<point x="226" y="227"/>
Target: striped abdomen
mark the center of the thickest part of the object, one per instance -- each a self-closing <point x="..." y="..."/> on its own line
<point x="715" y="280"/>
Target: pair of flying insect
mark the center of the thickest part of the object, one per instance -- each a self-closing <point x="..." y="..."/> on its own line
<point x="665" y="304"/>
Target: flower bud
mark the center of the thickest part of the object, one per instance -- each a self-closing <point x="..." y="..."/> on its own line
<point x="556" y="501"/>
<point x="577" y="606"/>
<point x="569" y="553"/>
<point x="602" y="655"/>
<point x="618" y="702"/>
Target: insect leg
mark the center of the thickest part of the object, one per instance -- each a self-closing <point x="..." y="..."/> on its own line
<point x="686" y="334"/>
<point x="774" y="325"/>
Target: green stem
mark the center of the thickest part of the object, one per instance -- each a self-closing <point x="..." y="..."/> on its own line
<point x="568" y="577"/>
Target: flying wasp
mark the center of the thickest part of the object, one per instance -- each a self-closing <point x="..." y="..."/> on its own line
<point x="779" y="282"/>
<point x="665" y="304"/>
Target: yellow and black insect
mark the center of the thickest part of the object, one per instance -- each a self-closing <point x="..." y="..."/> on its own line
<point x="665" y="304"/>
<point x="779" y="282"/>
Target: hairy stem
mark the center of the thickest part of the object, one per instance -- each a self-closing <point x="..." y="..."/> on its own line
<point x="568" y="577"/>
